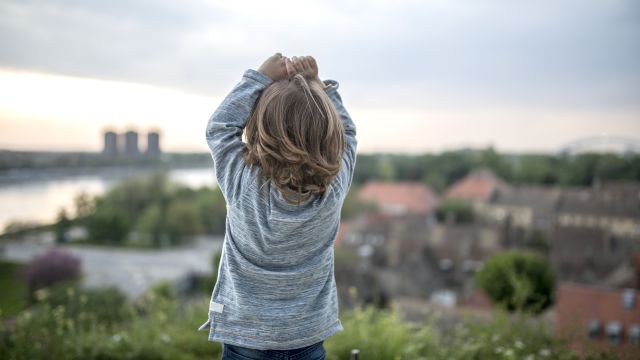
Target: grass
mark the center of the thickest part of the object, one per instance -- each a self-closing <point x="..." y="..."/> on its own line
<point x="13" y="297"/>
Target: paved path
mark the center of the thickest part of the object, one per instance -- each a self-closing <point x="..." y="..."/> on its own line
<point x="132" y="270"/>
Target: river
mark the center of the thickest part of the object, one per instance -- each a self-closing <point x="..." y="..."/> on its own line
<point x="38" y="195"/>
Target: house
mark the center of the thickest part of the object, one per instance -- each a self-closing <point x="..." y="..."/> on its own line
<point x="460" y="249"/>
<point x="593" y="316"/>
<point x="596" y="229"/>
<point x="523" y="206"/>
<point x="612" y="206"/>
<point x="391" y="251"/>
<point x="477" y="187"/>
<point x="398" y="198"/>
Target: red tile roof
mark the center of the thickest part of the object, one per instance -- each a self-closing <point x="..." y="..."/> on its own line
<point x="479" y="185"/>
<point x="400" y="197"/>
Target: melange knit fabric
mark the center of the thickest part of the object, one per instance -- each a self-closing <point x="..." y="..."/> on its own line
<point x="276" y="287"/>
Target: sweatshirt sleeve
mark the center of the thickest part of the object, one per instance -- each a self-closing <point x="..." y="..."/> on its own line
<point x="345" y="176"/>
<point x="224" y="131"/>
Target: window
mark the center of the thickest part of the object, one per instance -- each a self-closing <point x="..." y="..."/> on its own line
<point x="594" y="329"/>
<point x="614" y="332"/>
<point x="445" y="264"/>
<point x="634" y="334"/>
<point x="629" y="298"/>
<point x="613" y="244"/>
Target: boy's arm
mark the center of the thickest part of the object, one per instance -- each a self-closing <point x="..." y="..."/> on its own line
<point x="224" y="131"/>
<point x="349" y="156"/>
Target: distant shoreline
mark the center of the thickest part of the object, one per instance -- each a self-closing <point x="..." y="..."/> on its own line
<point x="24" y="175"/>
<point x="12" y="162"/>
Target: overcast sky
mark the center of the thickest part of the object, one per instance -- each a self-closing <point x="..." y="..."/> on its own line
<point x="416" y="75"/>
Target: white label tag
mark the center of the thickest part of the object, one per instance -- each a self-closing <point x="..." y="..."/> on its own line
<point x="216" y="307"/>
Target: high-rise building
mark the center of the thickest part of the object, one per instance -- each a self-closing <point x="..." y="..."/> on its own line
<point x="153" y="143"/>
<point x="110" y="144"/>
<point x="131" y="143"/>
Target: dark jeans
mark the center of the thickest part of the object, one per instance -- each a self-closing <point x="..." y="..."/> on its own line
<point x="311" y="352"/>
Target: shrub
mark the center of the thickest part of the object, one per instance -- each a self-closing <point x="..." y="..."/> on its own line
<point x="14" y="290"/>
<point x="61" y="226"/>
<point x="378" y="334"/>
<point x="206" y="283"/>
<point x="353" y="206"/>
<point x="153" y="212"/>
<point x="518" y="281"/>
<point x="458" y="210"/>
<point x="107" y="305"/>
<point x="166" y="330"/>
<point x="53" y="266"/>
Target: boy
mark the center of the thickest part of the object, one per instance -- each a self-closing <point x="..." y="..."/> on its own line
<point x="284" y="190"/>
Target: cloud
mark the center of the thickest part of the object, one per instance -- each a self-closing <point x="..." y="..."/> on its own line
<point x="434" y="54"/>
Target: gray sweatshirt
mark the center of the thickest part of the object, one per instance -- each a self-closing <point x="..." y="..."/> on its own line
<point x="276" y="287"/>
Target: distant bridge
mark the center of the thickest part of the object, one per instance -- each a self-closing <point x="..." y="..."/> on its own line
<point x="602" y="143"/>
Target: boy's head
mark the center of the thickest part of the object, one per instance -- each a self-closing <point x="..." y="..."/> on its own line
<point x="296" y="136"/>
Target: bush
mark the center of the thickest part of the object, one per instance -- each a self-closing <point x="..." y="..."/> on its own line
<point x="460" y="211"/>
<point x="14" y="290"/>
<point x="166" y="329"/>
<point x="108" y="305"/>
<point x="518" y="281"/>
<point x="54" y="266"/>
<point x="378" y="334"/>
<point x="353" y="206"/>
<point x="206" y="283"/>
<point x="108" y="223"/>
<point x="153" y="212"/>
<point x="382" y="334"/>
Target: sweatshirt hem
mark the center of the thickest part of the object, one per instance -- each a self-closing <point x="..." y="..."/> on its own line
<point x="233" y="338"/>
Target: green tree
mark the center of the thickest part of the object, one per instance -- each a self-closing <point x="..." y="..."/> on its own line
<point x="108" y="223"/>
<point x="150" y="226"/>
<point x="460" y="211"/>
<point x="212" y="210"/>
<point x="182" y="221"/>
<point x="518" y="281"/>
<point x="62" y="226"/>
<point x="353" y="206"/>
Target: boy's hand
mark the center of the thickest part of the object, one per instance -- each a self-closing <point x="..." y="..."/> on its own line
<point x="305" y="65"/>
<point x="274" y="67"/>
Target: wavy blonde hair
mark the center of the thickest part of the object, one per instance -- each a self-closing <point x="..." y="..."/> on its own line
<point x="296" y="136"/>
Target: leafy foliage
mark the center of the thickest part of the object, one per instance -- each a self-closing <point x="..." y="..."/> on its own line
<point x="68" y="323"/>
<point x="443" y="169"/>
<point x="382" y="334"/>
<point x="153" y="212"/>
<point x="458" y="210"/>
<point x="518" y="281"/>
<point x="14" y="300"/>
<point x="156" y="327"/>
<point x="55" y="265"/>
<point x="206" y="283"/>
<point x="352" y="206"/>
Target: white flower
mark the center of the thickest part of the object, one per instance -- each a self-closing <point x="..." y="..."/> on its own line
<point x="508" y="353"/>
<point x="545" y="352"/>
